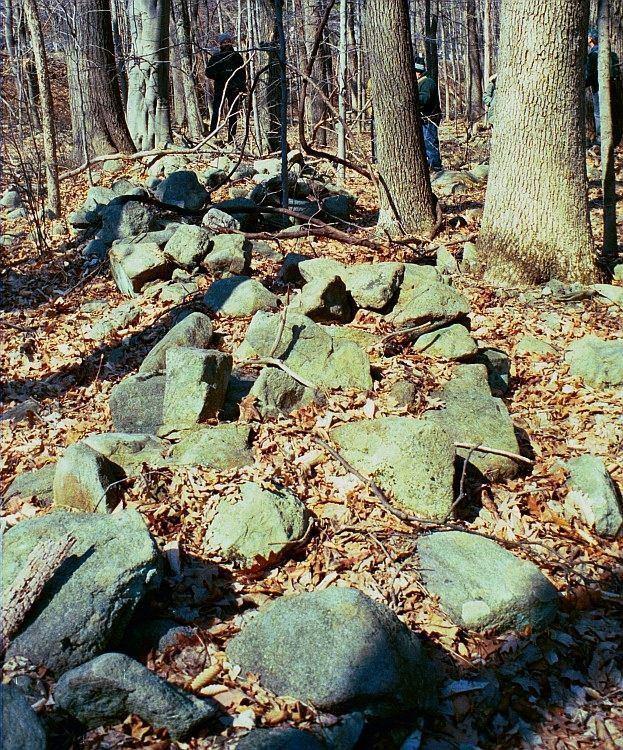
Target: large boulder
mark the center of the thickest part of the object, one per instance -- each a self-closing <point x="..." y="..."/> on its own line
<point x="309" y="350"/>
<point x="597" y="362"/>
<point x="261" y="524"/>
<point x="123" y="219"/>
<point x="86" y="480"/>
<point x="224" y="447"/>
<point x="471" y="415"/>
<point x="239" y="296"/>
<point x="130" y="452"/>
<point x="593" y="497"/>
<point x="431" y="303"/>
<point x="453" y="342"/>
<point x="411" y="459"/>
<point x="136" y="403"/>
<point x="105" y="690"/>
<point x="21" y="729"/>
<point x="195" y="385"/>
<point x="374" y="285"/>
<point x="86" y="606"/>
<point x="182" y="189"/>
<point x="277" y="393"/>
<point x="335" y="649"/>
<point x="481" y="586"/>
<point x="230" y="254"/>
<point x="188" y="246"/>
<point x="325" y="299"/>
<point x="134" y="265"/>
<point x="194" y="330"/>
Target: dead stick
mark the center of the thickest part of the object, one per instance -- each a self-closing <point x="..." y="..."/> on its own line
<point x="282" y="366"/>
<point x="495" y="452"/>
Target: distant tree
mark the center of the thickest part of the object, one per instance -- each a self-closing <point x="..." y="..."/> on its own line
<point x="186" y="100"/>
<point x="267" y="97"/>
<point x="536" y="222"/>
<point x="474" y="71"/>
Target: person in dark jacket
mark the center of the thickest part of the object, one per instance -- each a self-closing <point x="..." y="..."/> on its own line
<point x="226" y="68"/>
<point x="430" y="111"/>
<point x="592" y="82"/>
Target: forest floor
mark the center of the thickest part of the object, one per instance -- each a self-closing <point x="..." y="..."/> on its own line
<point x="562" y="688"/>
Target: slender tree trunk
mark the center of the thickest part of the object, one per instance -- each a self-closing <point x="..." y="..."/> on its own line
<point x="407" y="203"/>
<point x="119" y="52"/>
<point x="29" y="93"/>
<point x="148" y="73"/>
<point x="181" y="21"/>
<point x="283" y="81"/>
<point x="268" y="97"/>
<point x="316" y="109"/>
<point x="486" y="25"/>
<point x="343" y="56"/>
<point x="47" y="112"/>
<point x="473" y="73"/>
<point x="431" y="18"/>
<point x="536" y="222"/>
<point x="178" y="104"/>
<point x="607" y="135"/>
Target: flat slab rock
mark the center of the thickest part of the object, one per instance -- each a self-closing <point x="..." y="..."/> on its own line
<point x="194" y="330"/>
<point x="593" y="496"/>
<point x="239" y="296"/>
<point x="482" y="586"/>
<point x="597" y="362"/>
<point x="22" y="729"/>
<point x="224" y="447"/>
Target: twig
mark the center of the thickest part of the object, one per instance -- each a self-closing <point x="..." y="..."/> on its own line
<point x="415" y="331"/>
<point x="282" y="366"/>
<point x="495" y="452"/>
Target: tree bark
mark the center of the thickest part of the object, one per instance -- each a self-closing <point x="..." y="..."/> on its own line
<point x="536" y="222"/>
<point x="268" y="96"/>
<point x="316" y="109"/>
<point x="431" y="18"/>
<point x="406" y="198"/>
<point x="192" y="116"/>
<point x="343" y="55"/>
<point x="47" y="111"/>
<point x="474" y="71"/>
<point x="148" y="73"/>
<point x="607" y="134"/>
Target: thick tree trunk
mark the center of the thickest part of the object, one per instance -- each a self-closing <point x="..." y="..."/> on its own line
<point x="316" y="108"/>
<point x="192" y="116"/>
<point x="607" y="134"/>
<point x="47" y="112"/>
<point x="97" y="116"/>
<point x="148" y="73"/>
<point x="407" y="203"/>
<point x="536" y="222"/>
<point x="473" y="72"/>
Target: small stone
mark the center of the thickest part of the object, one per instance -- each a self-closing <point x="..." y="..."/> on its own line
<point x="195" y="386"/>
<point x="133" y="266"/>
<point x="262" y="524"/>
<point x="267" y="166"/>
<point x="480" y="172"/>
<point x="532" y="345"/>
<point x="105" y="690"/>
<point x="243" y="210"/>
<point x="264" y="250"/>
<point x="214" y="178"/>
<point x="321" y="268"/>
<point x="498" y="366"/>
<point x="593" y="496"/>
<point x="470" y="261"/>
<point x="221" y="448"/>
<point x="597" y="362"/>
<point x="417" y="275"/>
<point x="136" y="403"/>
<point x="21" y="729"/>
<point x="168" y="164"/>
<point x="11" y="199"/>
<point x="230" y="255"/>
<point x="451" y="182"/>
<point x="194" y="330"/>
<point x="290" y="272"/>
<point x="112" y="165"/>
<point x="325" y="299"/>
<point x="276" y="393"/>
<point x="217" y="219"/>
<point x="402" y="393"/>
<point x="483" y="587"/>
<point x="453" y="343"/>
<point x="239" y="296"/>
<point x="86" y="480"/>
<point x="431" y="303"/>
<point x="114" y="319"/>
<point x="37" y="483"/>
<point x="182" y="189"/>
<point x="446" y="262"/>
<point x="374" y="285"/>
<point x="17" y="213"/>
<point x="177" y="292"/>
<point x="617" y="272"/>
<point x="188" y="246"/>
<point x="129" y="451"/>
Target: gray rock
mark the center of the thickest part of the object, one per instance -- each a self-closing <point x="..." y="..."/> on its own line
<point x="36" y="483"/>
<point x="262" y="249"/>
<point x="321" y="268"/>
<point x="114" y="319"/>
<point x="129" y="451"/>
<point x="283" y="738"/>
<point x="498" y="366"/>
<point x="482" y="586"/>
<point x="21" y="729"/>
<point x="231" y="254"/>
<point x="336" y="648"/>
<point x="325" y="299"/>
<point x="597" y="362"/>
<point x="239" y="296"/>
<point x="338" y="207"/>
<point x="97" y="198"/>
<point x="418" y="276"/>
<point x="411" y="459"/>
<point x="430" y="303"/>
<point x="222" y="448"/>
<point x="480" y="172"/>
<point x="188" y="246"/>
<point x="136" y="403"/>
<point x="532" y="345"/>
<point x="593" y="496"/>
<point x="290" y="272"/>
<point x="105" y="690"/>
<point x="244" y="172"/>
<point x="267" y="166"/>
<point x="239" y="387"/>
<point x="451" y="182"/>
<point x="446" y="262"/>
<point x="309" y="350"/>
<point x="168" y="164"/>
<point x="8" y="240"/>
<point x="17" y="213"/>
<point x="178" y="291"/>
<point x="262" y="524"/>
<point x="243" y="210"/>
<point x="610" y="292"/>
<point x="11" y="199"/>
<point x="182" y="189"/>
<point x="95" y="249"/>
<point x="134" y="265"/>
<point x="277" y="393"/>
<point x="123" y="219"/>
<point x="453" y="342"/>
<point x="364" y="339"/>
<point x="402" y="393"/>
<point x="217" y="219"/>
<point x="470" y="260"/>
<point x="86" y="480"/>
<point x="195" y="385"/>
<point x="86" y="606"/>
<point x="112" y="165"/>
<point x="213" y="177"/>
<point x="617" y="272"/>
<point x="373" y="285"/>
<point x="194" y="330"/>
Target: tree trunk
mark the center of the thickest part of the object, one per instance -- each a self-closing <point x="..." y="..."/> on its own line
<point x="343" y="56"/>
<point x="97" y="116"/>
<point x="283" y="112"/>
<point x="148" y="73"/>
<point x="430" y="30"/>
<point x="268" y="96"/>
<point x="487" y="57"/>
<point x="536" y="222"/>
<point x="407" y="203"/>
<point x="181" y="22"/>
<point x="47" y="111"/>
<point x="473" y="72"/>
<point x="316" y="109"/>
<point x="607" y="134"/>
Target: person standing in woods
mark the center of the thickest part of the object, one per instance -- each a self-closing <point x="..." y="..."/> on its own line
<point x="226" y="68"/>
<point x="430" y="111"/>
<point x="489" y="99"/>
<point x="592" y="82"/>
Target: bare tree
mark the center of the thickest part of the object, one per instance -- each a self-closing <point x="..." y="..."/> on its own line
<point x="607" y="133"/>
<point x="473" y="70"/>
<point x="180" y="22"/>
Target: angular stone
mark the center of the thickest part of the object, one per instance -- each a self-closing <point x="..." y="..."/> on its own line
<point x="83" y="480"/>
<point x="471" y="415"/>
<point x="194" y="330"/>
<point x="243" y="210"/>
<point x="610" y="292"/>
<point x="178" y="291"/>
<point x="597" y="362"/>
<point x="321" y="268"/>
<point x="188" y="246"/>
<point x="85" y="607"/>
<point x="282" y="738"/>
<point x="532" y="345"/>
<point x="426" y="304"/>
<point x="267" y="166"/>
<point x="214" y="177"/>
<point x="129" y="451"/>
<point x="168" y="164"/>
<point x="338" y="207"/>
<point x="10" y="199"/>
<point x="418" y="275"/>
<point x="481" y="586"/>
<point x="402" y="393"/>
<point x="105" y="690"/>
<point x="239" y="296"/>
<point x="97" y="198"/>
<point x="123" y="219"/>
<point x="593" y="496"/>
<point x="309" y="350"/>
<point x="290" y="273"/>
<point x="453" y="343"/>
<point x="451" y="182"/>
<point x="217" y="219"/>
<point x="22" y="729"/>
<point x="480" y="172"/>
<point x="136" y="403"/>
<point x="325" y="299"/>
<point x="277" y="393"/>
<point x="336" y="648"/>
<point x="262" y="524"/>
<point x="470" y="260"/>
<point x="446" y="263"/>
<point x="373" y="285"/>
<point x="37" y="483"/>
<point x="221" y="448"/>
<point x="195" y="386"/>
<point x="498" y="366"/>
<point x="182" y="189"/>
<point x="115" y="319"/>
<point x="411" y="459"/>
<point x="133" y="266"/>
<point x="230" y="254"/>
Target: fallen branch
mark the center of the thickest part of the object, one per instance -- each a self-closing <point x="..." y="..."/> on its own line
<point x="495" y="452"/>
<point x="415" y="331"/>
<point x="282" y="366"/>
